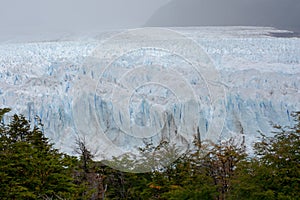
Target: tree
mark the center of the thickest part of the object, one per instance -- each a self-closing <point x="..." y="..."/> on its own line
<point x="88" y="174"/>
<point x="274" y="171"/>
<point x="30" y="168"/>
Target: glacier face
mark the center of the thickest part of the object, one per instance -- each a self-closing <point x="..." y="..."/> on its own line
<point x="259" y="73"/>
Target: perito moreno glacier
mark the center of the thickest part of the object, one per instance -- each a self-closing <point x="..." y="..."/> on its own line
<point x="121" y="89"/>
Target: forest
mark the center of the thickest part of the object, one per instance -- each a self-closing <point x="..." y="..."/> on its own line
<point x="31" y="168"/>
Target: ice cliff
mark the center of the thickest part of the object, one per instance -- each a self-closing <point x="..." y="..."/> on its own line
<point x="260" y="75"/>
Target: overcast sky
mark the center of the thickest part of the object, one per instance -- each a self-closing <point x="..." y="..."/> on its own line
<point x="31" y="17"/>
<point x="21" y="17"/>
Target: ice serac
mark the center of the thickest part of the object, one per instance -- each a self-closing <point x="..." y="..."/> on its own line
<point x="259" y="72"/>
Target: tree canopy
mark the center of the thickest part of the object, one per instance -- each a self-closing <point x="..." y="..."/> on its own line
<point x="31" y="168"/>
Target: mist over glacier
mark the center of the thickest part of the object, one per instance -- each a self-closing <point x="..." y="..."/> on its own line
<point x="259" y="72"/>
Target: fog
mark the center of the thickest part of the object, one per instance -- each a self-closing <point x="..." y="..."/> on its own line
<point x="33" y="17"/>
<point x="21" y="18"/>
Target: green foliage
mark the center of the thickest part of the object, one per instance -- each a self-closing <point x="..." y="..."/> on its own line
<point x="221" y="171"/>
<point x="274" y="172"/>
<point x="30" y="168"/>
<point x="216" y="171"/>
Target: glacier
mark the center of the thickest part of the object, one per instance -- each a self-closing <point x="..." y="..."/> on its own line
<point x="259" y="74"/>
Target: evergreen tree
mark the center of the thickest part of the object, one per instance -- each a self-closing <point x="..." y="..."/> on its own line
<point x="30" y="168"/>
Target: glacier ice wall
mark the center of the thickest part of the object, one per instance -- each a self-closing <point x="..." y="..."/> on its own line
<point x="260" y="74"/>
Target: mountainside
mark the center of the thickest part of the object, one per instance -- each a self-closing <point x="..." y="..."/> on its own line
<point x="275" y="13"/>
<point x="260" y="74"/>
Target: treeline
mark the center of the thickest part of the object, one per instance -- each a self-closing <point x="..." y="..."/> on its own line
<point x="30" y="168"/>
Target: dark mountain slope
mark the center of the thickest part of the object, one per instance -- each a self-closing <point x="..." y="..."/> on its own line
<point x="276" y="13"/>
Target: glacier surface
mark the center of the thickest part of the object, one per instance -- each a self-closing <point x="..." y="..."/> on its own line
<point x="260" y="75"/>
